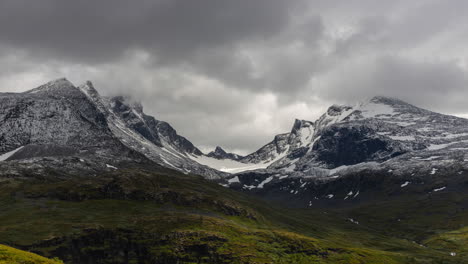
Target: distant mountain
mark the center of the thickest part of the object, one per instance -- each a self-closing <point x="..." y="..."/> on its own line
<point x="220" y="154"/>
<point x="58" y="124"/>
<point x="382" y="135"/>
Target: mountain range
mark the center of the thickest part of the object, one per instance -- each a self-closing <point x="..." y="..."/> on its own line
<point x="62" y="122"/>
<point x="61" y="143"/>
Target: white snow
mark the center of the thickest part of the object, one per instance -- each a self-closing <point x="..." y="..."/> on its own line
<point x="403" y="138"/>
<point x="337" y="169"/>
<point x="353" y="221"/>
<point x="138" y="115"/>
<point x="329" y="120"/>
<point x="401" y="123"/>
<point x="267" y="180"/>
<point x="383" y="133"/>
<point x="433" y="171"/>
<point x="234" y="180"/>
<point x="228" y="165"/>
<point x="453" y="254"/>
<point x="405" y="184"/>
<point x="356" y="195"/>
<point x="290" y="168"/>
<point x="5" y="156"/>
<point x="429" y="158"/>
<point x="167" y="162"/>
<point x="329" y="196"/>
<point x="348" y="195"/>
<point x="372" y="110"/>
<point x="110" y="166"/>
<point x="450" y="136"/>
<point x="232" y="166"/>
<point x="439" y="189"/>
<point x="442" y="146"/>
<point x="438" y="146"/>
<point x="306" y="135"/>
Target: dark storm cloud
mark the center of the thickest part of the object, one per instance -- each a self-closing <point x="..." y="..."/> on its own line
<point x="235" y="72"/>
<point x="427" y="84"/>
<point x="102" y="30"/>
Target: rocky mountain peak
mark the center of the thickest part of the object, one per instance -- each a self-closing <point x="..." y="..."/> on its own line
<point x="387" y="100"/>
<point x="220" y="153"/>
<point x="219" y="150"/>
<point x="58" y="87"/>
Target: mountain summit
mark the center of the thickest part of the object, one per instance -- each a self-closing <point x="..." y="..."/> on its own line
<point x="220" y="154"/>
<point x="58" y="124"/>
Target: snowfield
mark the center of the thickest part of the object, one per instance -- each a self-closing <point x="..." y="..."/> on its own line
<point x="5" y="156"/>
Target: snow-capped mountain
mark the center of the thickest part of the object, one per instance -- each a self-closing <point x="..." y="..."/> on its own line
<point x="381" y="135"/>
<point x="59" y="123"/>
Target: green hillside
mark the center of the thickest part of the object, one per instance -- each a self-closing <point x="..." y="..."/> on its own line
<point x="138" y="216"/>
<point x="9" y="255"/>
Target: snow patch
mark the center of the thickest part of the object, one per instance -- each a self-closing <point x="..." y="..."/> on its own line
<point x="232" y="166"/>
<point x="439" y="189"/>
<point x="356" y="195"/>
<point x="405" y="184"/>
<point x="5" y="156"/>
<point x="371" y="110"/>
<point x="403" y="138"/>
<point x="234" y="180"/>
<point x="267" y="180"/>
<point x="111" y="167"/>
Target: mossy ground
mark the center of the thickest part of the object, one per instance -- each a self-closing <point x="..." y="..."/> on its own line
<point x="9" y="255"/>
<point x="138" y="216"/>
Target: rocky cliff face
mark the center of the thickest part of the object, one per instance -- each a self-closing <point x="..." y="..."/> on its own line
<point x="55" y="113"/>
<point x="60" y="123"/>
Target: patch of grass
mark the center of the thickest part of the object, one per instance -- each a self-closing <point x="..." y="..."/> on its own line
<point x="9" y="255"/>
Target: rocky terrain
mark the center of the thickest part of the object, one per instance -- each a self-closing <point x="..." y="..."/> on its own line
<point x="74" y="128"/>
<point x="381" y="136"/>
<point x="93" y="179"/>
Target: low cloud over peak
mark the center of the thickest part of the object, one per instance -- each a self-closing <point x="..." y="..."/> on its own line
<point x="234" y="73"/>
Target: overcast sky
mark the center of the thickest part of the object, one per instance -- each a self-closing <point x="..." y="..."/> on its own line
<point x="236" y="72"/>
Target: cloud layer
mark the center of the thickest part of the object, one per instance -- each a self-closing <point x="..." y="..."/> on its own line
<point x="234" y="73"/>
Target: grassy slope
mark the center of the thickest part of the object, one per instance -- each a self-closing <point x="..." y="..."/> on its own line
<point x="9" y="255"/>
<point x="163" y="217"/>
<point x="434" y="221"/>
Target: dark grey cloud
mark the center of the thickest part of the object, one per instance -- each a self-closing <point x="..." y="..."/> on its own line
<point x="438" y="86"/>
<point x="99" y="31"/>
<point x="233" y="73"/>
